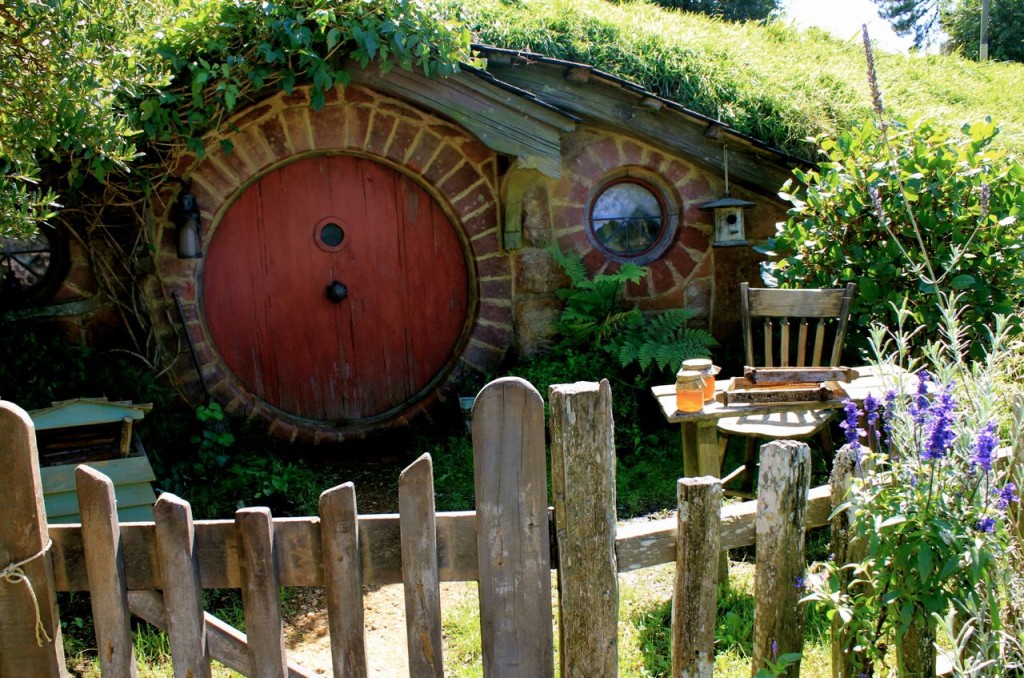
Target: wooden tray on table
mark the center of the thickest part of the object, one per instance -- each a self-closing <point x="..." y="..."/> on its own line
<point x="743" y="391"/>
<point x="792" y="375"/>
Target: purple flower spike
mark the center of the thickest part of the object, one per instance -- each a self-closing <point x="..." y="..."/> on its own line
<point x="940" y="426"/>
<point x="1007" y="495"/>
<point x="986" y="524"/>
<point x="890" y="407"/>
<point x="871" y="409"/>
<point x="984" y="447"/>
<point x="849" y="424"/>
<point x="919" y="403"/>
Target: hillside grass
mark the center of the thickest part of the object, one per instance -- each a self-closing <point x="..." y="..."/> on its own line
<point x="770" y="81"/>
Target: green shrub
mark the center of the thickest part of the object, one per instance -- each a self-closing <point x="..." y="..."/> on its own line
<point x="595" y="317"/>
<point x="850" y="221"/>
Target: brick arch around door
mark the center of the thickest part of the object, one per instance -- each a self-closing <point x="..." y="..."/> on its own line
<point x="351" y="263"/>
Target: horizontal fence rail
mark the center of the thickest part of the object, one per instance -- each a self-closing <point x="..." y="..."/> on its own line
<point x="638" y="544"/>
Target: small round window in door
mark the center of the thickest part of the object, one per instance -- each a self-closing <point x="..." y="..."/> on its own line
<point x="353" y="324"/>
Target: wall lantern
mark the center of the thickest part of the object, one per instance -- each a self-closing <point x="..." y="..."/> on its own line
<point x="190" y="244"/>
<point x="729" y="226"/>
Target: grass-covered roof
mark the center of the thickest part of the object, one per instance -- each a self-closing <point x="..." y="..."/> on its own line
<point x="86" y="84"/>
<point x="773" y="82"/>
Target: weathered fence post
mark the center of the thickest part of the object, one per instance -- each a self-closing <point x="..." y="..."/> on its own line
<point x="261" y="586"/>
<point x="30" y="640"/>
<point x="108" y="591"/>
<point x="783" y="483"/>
<point x="513" y="537"/>
<point x="844" y="469"/>
<point x="183" y="593"/>
<point x="694" y="595"/>
<point x="583" y="483"/>
<point x="343" y="577"/>
<point x="420" y="569"/>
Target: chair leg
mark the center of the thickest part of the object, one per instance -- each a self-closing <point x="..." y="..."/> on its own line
<point x="723" y="446"/>
<point x="750" y="463"/>
<point x="828" y="450"/>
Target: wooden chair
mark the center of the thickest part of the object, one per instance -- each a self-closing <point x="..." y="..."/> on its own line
<point x="796" y="344"/>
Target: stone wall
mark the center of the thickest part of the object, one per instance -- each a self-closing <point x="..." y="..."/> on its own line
<point x="692" y="273"/>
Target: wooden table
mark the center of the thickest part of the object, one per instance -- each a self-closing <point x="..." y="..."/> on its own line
<point x="700" y="430"/>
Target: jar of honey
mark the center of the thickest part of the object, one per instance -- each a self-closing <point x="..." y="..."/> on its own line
<point x="707" y="372"/>
<point x="689" y="391"/>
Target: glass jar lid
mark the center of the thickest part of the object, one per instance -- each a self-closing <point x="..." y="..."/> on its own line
<point x="685" y="376"/>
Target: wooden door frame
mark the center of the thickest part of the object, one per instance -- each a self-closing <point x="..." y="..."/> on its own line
<point x="456" y="169"/>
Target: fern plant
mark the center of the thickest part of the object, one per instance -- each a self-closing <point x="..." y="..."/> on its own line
<point x="664" y="340"/>
<point x="595" y="316"/>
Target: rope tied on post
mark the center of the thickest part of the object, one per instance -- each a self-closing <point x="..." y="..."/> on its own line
<point x="13" y="574"/>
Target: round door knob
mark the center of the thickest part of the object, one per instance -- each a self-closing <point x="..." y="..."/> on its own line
<point x="336" y="292"/>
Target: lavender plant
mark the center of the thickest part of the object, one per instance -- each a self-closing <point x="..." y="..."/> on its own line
<point x="932" y="515"/>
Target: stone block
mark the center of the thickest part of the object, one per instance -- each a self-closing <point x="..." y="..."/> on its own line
<point x="535" y="321"/>
<point x="538" y="273"/>
<point x="402" y="141"/>
<point x="381" y="127"/>
<point x="275" y="138"/>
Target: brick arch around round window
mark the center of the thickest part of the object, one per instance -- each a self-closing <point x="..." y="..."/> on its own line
<point x="682" y="275"/>
<point x="455" y="168"/>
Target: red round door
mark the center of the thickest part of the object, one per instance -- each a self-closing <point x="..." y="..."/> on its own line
<point x="335" y="289"/>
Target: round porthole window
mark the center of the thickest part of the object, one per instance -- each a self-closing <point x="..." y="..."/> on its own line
<point x="629" y="221"/>
<point x="31" y="267"/>
<point x="329" y="234"/>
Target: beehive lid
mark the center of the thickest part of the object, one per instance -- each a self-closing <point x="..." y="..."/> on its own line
<point x="87" y="411"/>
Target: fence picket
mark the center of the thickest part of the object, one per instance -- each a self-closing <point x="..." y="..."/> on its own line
<point x="339" y="534"/>
<point x="419" y="569"/>
<point x="183" y="595"/>
<point x="695" y="590"/>
<point x="23" y="539"/>
<point x="844" y="469"/>
<point x="783" y="484"/>
<point x="101" y="538"/>
<point x="513" y="537"/>
<point x="263" y="624"/>
<point x="583" y="485"/>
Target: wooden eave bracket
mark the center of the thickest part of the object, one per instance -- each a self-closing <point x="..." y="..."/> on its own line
<point x="517" y="180"/>
<point x="502" y="120"/>
<point x="629" y="109"/>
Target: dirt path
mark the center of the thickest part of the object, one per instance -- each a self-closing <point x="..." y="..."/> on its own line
<point x="308" y="642"/>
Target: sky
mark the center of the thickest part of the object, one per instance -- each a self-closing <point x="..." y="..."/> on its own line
<point x="843" y="18"/>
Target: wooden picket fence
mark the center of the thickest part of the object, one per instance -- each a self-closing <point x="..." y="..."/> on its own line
<point x="157" y="570"/>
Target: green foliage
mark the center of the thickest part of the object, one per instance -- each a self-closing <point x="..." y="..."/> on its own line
<point x="63" y="65"/>
<point x="651" y="624"/>
<point x="939" y="237"/>
<point x="917" y="18"/>
<point x="224" y="53"/>
<point x="931" y="517"/>
<point x="216" y="438"/>
<point x="222" y="476"/>
<point x="731" y="10"/>
<point x="774" y="82"/>
<point x="961" y="22"/>
<point x="88" y="86"/>
<point x="596" y="317"/>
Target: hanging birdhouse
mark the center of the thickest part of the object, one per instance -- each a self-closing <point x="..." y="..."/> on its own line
<point x="729" y="226"/>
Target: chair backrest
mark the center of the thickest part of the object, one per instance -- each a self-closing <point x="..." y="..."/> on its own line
<point x="786" y="307"/>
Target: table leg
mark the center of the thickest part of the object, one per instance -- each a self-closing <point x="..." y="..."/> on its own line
<point x="700" y="449"/>
<point x="700" y="458"/>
